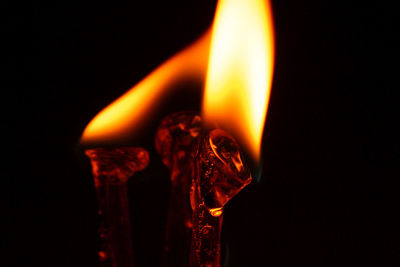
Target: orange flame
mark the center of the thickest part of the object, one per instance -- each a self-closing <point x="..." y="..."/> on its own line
<point x="130" y="110"/>
<point x="240" y="70"/>
<point x="237" y="68"/>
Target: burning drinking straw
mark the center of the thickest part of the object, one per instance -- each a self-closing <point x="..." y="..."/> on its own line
<point x="220" y="174"/>
<point x="176" y="140"/>
<point x="111" y="170"/>
<point x="236" y="60"/>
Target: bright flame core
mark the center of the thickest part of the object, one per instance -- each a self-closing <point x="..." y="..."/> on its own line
<point x="240" y="70"/>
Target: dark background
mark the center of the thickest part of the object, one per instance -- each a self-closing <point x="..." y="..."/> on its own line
<point x="328" y="194"/>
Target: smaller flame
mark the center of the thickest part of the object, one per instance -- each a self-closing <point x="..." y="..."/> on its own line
<point x="240" y="70"/>
<point x="130" y="112"/>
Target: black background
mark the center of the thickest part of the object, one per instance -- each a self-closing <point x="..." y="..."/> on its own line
<point x="328" y="194"/>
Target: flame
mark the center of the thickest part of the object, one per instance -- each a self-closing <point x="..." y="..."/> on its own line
<point x="240" y="69"/>
<point x="236" y="61"/>
<point x="130" y="111"/>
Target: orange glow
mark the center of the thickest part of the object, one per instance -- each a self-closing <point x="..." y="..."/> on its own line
<point x="130" y="111"/>
<point x="235" y="60"/>
<point x="240" y="69"/>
